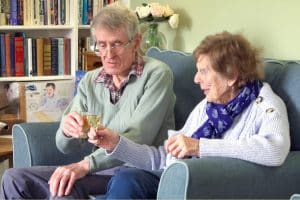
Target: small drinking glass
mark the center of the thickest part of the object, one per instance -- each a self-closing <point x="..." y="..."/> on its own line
<point x="90" y="120"/>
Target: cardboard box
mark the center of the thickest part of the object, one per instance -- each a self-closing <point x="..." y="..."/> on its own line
<point x="46" y="100"/>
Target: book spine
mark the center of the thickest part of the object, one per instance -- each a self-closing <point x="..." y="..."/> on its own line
<point x="62" y="12"/>
<point x="55" y="7"/>
<point x="36" y="11"/>
<point x="12" y="55"/>
<point x="67" y="56"/>
<point x="84" y="12"/>
<point x="25" y="56"/>
<point x="61" y="56"/>
<point x="29" y="57"/>
<point x="3" y="61"/>
<point x="19" y="56"/>
<point x="42" y="12"/>
<point x="13" y="12"/>
<point x="7" y="54"/>
<point x="20" y="12"/>
<point x="67" y="11"/>
<point x="54" y="56"/>
<point x="47" y="56"/>
<point x="80" y="10"/>
<point x="40" y="56"/>
<point x="45" y="7"/>
<point x="34" y="58"/>
<point x="89" y="11"/>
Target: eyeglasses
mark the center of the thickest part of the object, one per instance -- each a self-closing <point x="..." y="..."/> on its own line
<point x="101" y="49"/>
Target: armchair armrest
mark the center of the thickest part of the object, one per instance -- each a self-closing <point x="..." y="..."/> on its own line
<point x="227" y="178"/>
<point x="34" y="144"/>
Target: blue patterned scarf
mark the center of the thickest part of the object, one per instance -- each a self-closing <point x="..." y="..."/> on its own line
<point x="220" y="116"/>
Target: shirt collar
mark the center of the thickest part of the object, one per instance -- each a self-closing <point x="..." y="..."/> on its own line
<point x="136" y="70"/>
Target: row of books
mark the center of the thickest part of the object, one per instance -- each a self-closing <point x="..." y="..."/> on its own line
<point x="87" y="9"/>
<point x="34" y="12"/>
<point x="84" y="45"/>
<point x="21" y="56"/>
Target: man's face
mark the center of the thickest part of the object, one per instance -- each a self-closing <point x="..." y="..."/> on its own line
<point x="50" y="91"/>
<point x="117" y="52"/>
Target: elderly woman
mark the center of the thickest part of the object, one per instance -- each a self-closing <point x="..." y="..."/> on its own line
<point x="134" y="96"/>
<point x="241" y="117"/>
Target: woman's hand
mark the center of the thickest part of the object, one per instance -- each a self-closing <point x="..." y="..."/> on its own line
<point x="73" y="125"/>
<point x="62" y="180"/>
<point x="181" y="146"/>
<point x="103" y="138"/>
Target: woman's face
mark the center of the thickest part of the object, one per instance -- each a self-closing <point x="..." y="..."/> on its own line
<point x="216" y="87"/>
<point x="118" y="52"/>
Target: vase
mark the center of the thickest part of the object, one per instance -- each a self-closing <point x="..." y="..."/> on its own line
<point x="153" y="38"/>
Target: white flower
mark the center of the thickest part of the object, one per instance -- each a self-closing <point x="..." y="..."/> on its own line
<point x="143" y="11"/>
<point x="168" y="11"/>
<point x="156" y="10"/>
<point x="174" y="21"/>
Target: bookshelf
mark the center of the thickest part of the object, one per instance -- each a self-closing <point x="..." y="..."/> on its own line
<point x="73" y="30"/>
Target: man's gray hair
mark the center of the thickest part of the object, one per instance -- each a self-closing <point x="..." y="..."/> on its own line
<point x="115" y="16"/>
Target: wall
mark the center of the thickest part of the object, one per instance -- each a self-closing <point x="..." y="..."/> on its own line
<point x="272" y="25"/>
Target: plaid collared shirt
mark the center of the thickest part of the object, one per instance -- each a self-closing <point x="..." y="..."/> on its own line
<point x="116" y="93"/>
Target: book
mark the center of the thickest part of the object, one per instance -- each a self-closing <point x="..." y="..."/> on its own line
<point x="61" y="58"/>
<point x="20" y="12"/>
<point x="54" y="56"/>
<point x="12" y="55"/>
<point x="67" y="56"/>
<point x="40" y="56"/>
<point x="2" y="54"/>
<point x="13" y="20"/>
<point x="7" y="54"/>
<point x="29" y="57"/>
<point x="34" y="58"/>
<point x="19" y="55"/>
<point x="47" y="57"/>
<point x="46" y="100"/>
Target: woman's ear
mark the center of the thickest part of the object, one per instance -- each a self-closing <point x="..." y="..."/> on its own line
<point x="232" y="81"/>
<point x="137" y="41"/>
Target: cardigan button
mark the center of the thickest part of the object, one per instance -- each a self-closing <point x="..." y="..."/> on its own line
<point x="270" y="110"/>
<point x="258" y="99"/>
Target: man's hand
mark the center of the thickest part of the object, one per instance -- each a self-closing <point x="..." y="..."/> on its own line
<point x="62" y="180"/>
<point x="103" y="138"/>
<point x="181" y="146"/>
<point x="73" y="125"/>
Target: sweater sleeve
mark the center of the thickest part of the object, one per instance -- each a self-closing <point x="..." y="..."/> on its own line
<point x="139" y="155"/>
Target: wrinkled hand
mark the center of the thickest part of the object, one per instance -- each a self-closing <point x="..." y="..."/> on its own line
<point x="181" y="146"/>
<point x="62" y="180"/>
<point x="72" y="126"/>
<point x="103" y="138"/>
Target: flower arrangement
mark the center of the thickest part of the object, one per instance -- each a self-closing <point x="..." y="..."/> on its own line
<point x="154" y="12"/>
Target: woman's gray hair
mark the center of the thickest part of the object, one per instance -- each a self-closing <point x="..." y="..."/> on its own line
<point x="115" y="16"/>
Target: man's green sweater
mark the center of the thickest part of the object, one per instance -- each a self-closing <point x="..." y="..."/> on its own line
<point x="143" y="114"/>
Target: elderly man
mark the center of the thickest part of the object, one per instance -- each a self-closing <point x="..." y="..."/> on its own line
<point x="134" y="96"/>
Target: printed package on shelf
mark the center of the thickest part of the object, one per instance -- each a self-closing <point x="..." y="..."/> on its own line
<point x="46" y="100"/>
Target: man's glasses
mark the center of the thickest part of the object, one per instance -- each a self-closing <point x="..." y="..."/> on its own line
<point x="116" y="48"/>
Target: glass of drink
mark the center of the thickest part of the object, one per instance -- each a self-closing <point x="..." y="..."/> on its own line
<point x="90" y="120"/>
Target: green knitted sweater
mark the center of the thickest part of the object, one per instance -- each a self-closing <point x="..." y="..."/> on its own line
<point x="143" y="114"/>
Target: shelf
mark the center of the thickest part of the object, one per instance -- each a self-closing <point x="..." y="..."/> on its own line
<point x="35" y="78"/>
<point x="51" y="27"/>
<point x="84" y="27"/>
